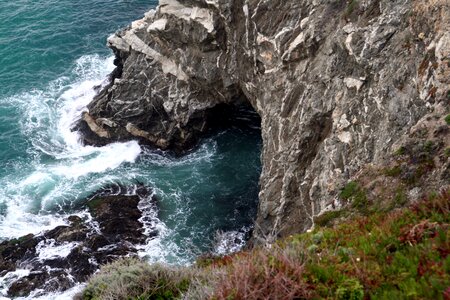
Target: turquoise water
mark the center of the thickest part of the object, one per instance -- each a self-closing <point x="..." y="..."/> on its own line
<point x="52" y="54"/>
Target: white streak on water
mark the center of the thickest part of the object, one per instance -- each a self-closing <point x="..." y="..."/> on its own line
<point x="109" y="158"/>
<point x="47" y="250"/>
<point x="205" y="153"/>
<point x="66" y="295"/>
<point x="18" y="222"/>
<point x="61" y="163"/>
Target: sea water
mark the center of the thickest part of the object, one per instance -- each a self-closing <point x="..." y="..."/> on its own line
<point x="52" y="55"/>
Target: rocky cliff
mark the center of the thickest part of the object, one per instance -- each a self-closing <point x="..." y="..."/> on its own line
<point x="338" y="85"/>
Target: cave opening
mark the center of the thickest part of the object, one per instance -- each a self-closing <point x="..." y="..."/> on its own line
<point x="222" y="187"/>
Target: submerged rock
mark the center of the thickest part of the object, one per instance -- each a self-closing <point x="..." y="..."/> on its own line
<point x="59" y="258"/>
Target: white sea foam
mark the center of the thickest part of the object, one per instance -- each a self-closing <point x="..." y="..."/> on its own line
<point x="230" y="241"/>
<point x="49" y="115"/>
<point x="18" y="222"/>
<point x="161" y="249"/>
<point x="60" y="159"/>
<point x="149" y="212"/>
<point x="75" y="100"/>
<point x="204" y="153"/>
<point x="9" y="278"/>
<point x="108" y="158"/>
<point x="66" y="295"/>
<point x="48" y="249"/>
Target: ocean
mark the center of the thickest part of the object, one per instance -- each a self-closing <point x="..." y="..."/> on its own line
<point x="52" y="55"/>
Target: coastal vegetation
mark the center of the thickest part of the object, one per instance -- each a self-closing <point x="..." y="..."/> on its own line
<point x="377" y="254"/>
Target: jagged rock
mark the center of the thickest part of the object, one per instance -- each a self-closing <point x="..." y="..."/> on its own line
<point x="15" y="250"/>
<point x="96" y="241"/>
<point x="336" y="84"/>
<point x="118" y="217"/>
<point x="79" y="261"/>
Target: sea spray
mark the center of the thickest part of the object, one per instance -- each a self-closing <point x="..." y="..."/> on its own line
<point x="46" y="174"/>
<point x="59" y="157"/>
<point x="39" y="195"/>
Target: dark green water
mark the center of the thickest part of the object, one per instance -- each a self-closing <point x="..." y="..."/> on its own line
<point x="51" y="55"/>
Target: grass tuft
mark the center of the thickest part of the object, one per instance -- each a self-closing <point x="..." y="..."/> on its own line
<point x="356" y="195"/>
<point x="130" y="278"/>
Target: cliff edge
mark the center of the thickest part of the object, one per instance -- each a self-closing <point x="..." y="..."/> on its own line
<point x="338" y="85"/>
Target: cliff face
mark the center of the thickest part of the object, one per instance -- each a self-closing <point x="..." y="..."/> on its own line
<point x="338" y="85"/>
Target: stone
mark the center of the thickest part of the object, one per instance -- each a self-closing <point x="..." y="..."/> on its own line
<point x="91" y="122"/>
<point x="302" y="65"/>
<point x="41" y="280"/>
<point x="158" y="25"/>
<point x="353" y="83"/>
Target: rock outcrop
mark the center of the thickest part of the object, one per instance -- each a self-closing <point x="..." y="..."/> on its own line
<point x="66" y="255"/>
<point x="338" y="85"/>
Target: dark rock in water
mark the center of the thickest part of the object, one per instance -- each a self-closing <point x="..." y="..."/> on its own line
<point x="116" y="210"/>
<point x="96" y="241"/>
<point x="17" y="250"/>
<point x="73" y="233"/>
<point x="81" y="246"/>
<point x="45" y="280"/>
<point x="112" y="252"/>
<point x="6" y="266"/>
<point x="118" y="217"/>
<point x="25" y="285"/>
<point x="79" y="260"/>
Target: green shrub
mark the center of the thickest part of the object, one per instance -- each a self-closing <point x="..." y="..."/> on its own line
<point x="393" y="254"/>
<point x="275" y="273"/>
<point x="349" y="190"/>
<point x="328" y="216"/>
<point x="394" y="171"/>
<point x="313" y="248"/>
<point x="400" y="198"/>
<point x="447" y="119"/>
<point x="350" y="289"/>
<point x="317" y="238"/>
<point x="356" y="195"/>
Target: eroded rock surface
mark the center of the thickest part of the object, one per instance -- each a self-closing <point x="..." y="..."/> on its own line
<point x="337" y="85"/>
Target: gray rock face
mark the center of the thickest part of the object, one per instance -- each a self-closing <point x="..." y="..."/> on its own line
<point x="337" y="84"/>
